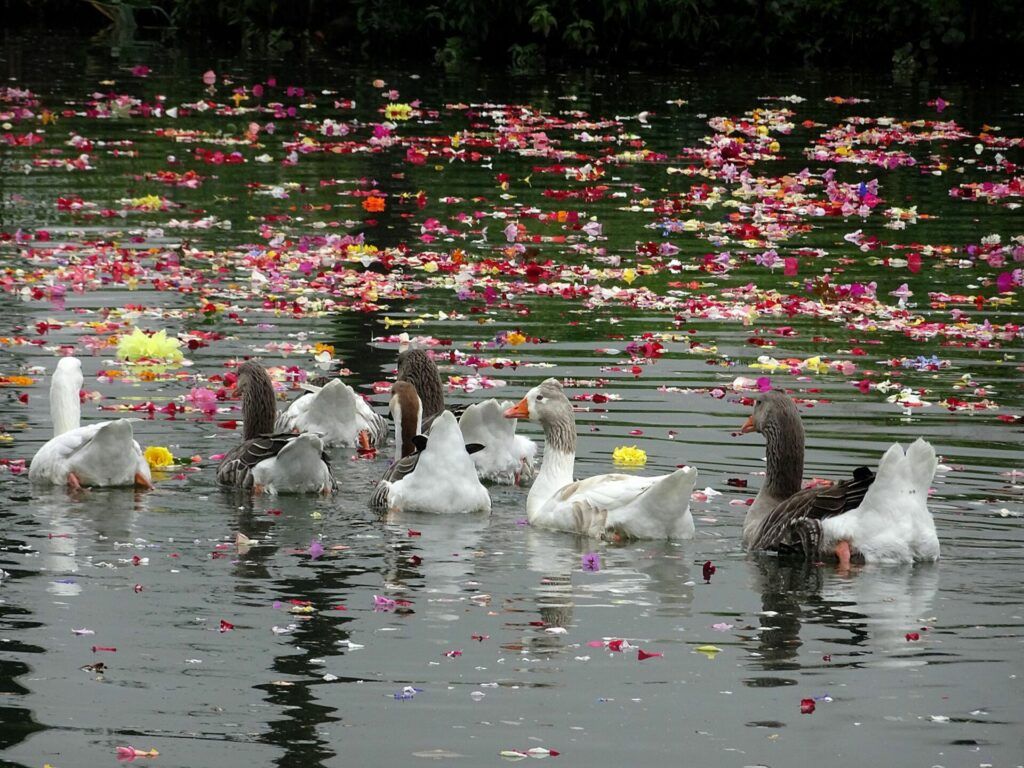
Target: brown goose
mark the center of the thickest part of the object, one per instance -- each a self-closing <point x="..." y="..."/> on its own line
<point x="268" y="462"/>
<point x="407" y="411"/>
<point x="434" y="474"/>
<point x="881" y="518"/>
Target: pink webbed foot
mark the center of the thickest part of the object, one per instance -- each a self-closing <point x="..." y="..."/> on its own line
<point x="141" y="481"/>
<point x="74" y="483"/>
<point x="842" y="551"/>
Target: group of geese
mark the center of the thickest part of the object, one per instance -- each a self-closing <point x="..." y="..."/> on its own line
<point x="440" y="461"/>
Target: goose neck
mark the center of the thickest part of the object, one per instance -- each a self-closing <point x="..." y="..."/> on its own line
<point x="65" y="407"/>
<point x="784" y="450"/>
<point x="556" y="468"/>
<point x="259" y="407"/>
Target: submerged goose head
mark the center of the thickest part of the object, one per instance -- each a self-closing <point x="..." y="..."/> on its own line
<point x="547" y="404"/>
<point x="407" y="411"/>
<point x="776" y="417"/>
<point x="259" y="404"/>
<point x="416" y="367"/>
<point x="65" y="404"/>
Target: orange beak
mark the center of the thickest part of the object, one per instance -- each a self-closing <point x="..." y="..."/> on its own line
<point x="520" y="410"/>
<point x="748" y="425"/>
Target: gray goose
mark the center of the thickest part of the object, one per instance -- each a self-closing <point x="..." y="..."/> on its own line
<point x="881" y="517"/>
<point x="784" y="516"/>
<point x="266" y="461"/>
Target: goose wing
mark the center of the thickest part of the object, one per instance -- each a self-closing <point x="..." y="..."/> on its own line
<point x="401" y="468"/>
<point x="236" y="467"/>
<point x="778" y="530"/>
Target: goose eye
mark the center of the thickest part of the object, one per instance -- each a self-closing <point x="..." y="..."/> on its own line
<point x="540" y="398"/>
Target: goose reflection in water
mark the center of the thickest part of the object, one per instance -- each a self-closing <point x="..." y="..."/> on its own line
<point x="555" y="559"/>
<point x="873" y="610"/>
<point x="110" y="513"/>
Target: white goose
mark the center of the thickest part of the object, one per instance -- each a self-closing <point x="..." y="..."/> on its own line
<point x="103" y="454"/>
<point x="506" y="457"/>
<point x="271" y="463"/>
<point x="625" y="506"/>
<point x="878" y="518"/>
<point x="434" y="474"/>
<point x="335" y="412"/>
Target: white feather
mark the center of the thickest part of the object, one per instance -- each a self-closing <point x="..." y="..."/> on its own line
<point x="445" y="479"/>
<point x="101" y="454"/>
<point x="335" y="412"/>
<point x="892" y="523"/>
<point x="506" y="456"/>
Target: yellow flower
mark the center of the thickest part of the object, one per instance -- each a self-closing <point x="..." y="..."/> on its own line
<point x="320" y="347"/>
<point x="148" y="203"/>
<point x="430" y="266"/>
<point x="629" y="456"/>
<point x="397" y="111"/>
<point x="815" y="365"/>
<point x="629" y="275"/>
<point x="139" y="345"/>
<point x="158" y="457"/>
<point x="515" y="338"/>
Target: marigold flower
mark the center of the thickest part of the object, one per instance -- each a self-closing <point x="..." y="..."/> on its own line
<point x="374" y="204"/>
<point x="629" y="456"/>
<point x="158" y="457"/>
<point x="139" y="345"/>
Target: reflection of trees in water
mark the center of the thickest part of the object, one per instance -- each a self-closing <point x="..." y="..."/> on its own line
<point x="64" y="519"/>
<point x="872" y="607"/>
<point x="18" y="723"/>
<point x="444" y="549"/>
<point x="324" y="584"/>
<point x="351" y="333"/>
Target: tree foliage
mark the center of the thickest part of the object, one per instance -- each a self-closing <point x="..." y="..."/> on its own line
<point x="530" y="34"/>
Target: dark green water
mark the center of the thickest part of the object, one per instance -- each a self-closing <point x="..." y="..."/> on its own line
<point x="287" y="688"/>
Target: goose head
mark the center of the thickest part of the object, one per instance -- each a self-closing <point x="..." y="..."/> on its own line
<point x="775" y="414"/>
<point x="776" y="417"/>
<point x="259" y="403"/>
<point x="547" y="405"/>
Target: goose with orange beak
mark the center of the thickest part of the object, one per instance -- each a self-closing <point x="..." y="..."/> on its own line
<point x="617" y="506"/>
<point x="880" y="518"/>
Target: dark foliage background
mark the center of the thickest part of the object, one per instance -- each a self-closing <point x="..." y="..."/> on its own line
<point x="529" y="34"/>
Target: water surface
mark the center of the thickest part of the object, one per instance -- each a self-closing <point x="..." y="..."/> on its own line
<point x="499" y="625"/>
